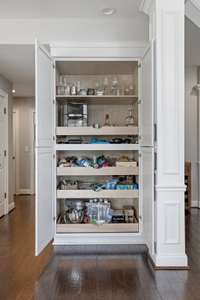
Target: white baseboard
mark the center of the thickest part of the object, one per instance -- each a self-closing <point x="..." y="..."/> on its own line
<point x="176" y="260"/>
<point x="195" y="203"/>
<point x="98" y="239"/>
<point x="11" y="206"/>
<point x="24" y="192"/>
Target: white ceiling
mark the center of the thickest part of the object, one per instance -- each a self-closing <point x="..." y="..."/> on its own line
<point x="29" y="9"/>
<point x="17" y="65"/>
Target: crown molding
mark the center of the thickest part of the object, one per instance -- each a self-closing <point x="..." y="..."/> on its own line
<point x="146" y="5"/>
<point x="196" y="3"/>
<point x="192" y="11"/>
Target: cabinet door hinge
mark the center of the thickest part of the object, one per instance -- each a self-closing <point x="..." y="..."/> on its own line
<point x="155" y="194"/>
<point x="5" y="152"/>
<point x="54" y="156"/>
<point x="155" y="247"/>
<point x="139" y="65"/>
<point x="5" y="195"/>
<point x="155" y="161"/>
<point x="54" y="218"/>
<point x="54" y="101"/>
<point x="4" y="110"/>
<point x="155" y="132"/>
<point x="53" y="138"/>
<point x="139" y="101"/>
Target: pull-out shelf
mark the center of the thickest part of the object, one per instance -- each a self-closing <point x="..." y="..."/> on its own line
<point x="106" y="130"/>
<point x="92" y="228"/>
<point x="87" y="194"/>
<point x="97" y="147"/>
<point x="89" y="171"/>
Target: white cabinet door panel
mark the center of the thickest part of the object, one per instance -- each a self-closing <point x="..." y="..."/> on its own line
<point x="147" y="186"/>
<point x="44" y="198"/>
<point x="44" y="149"/>
<point x="147" y="99"/>
<point x="44" y="97"/>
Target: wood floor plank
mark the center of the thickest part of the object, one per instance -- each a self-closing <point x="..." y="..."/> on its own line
<point x="88" y="272"/>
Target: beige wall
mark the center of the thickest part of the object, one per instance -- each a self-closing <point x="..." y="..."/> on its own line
<point x="6" y="85"/>
<point x="24" y="129"/>
<point x="191" y="127"/>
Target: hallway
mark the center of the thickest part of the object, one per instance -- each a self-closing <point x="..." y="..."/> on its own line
<point x="62" y="274"/>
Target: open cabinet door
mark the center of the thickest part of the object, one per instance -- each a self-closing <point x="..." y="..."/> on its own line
<point x="147" y="188"/>
<point x="146" y="122"/>
<point x="43" y="148"/>
<point x="147" y="144"/>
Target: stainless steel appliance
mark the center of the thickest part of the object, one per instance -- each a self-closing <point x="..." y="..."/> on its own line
<point x="75" y="114"/>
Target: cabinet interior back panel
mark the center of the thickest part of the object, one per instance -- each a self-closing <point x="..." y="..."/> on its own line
<point x="96" y="67"/>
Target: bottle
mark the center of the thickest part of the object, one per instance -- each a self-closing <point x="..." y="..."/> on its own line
<point x="130" y="118"/>
<point x="107" y="120"/>
<point x="73" y="90"/>
<point x="78" y="87"/>
<point x="115" y="87"/>
<point x="105" y="86"/>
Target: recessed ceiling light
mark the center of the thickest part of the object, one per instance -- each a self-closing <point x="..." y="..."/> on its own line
<point x="13" y="91"/>
<point x="108" y="11"/>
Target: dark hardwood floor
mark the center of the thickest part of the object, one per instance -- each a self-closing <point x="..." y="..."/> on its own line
<point x="88" y="272"/>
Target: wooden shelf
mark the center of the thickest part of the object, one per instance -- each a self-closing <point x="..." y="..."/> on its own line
<point x="81" y="228"/>
<point x="89" y="194"/>
<point x="97" y="147"/>
<point x="110" y="130"/>
<point x="89" y="171"/>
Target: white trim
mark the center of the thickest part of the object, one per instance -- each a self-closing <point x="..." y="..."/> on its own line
<point x="98" y="239"/>
<point x="195" y="203"/>
<point x="24" y="192"/>
<point x="114" y="44"/>
<point x="11" y="206"/>
<point x="166" y="260"/>
<point x="97" y="51"/>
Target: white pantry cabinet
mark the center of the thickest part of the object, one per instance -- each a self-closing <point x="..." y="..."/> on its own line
<point x="90" y="63"/>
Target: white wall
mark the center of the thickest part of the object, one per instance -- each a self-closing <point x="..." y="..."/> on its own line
<point x="191" y="127"/>
<point x="24" y="110"/>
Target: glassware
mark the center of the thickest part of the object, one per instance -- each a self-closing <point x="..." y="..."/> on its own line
<point x="131" y="90"/>
<point x="105" y="86"/>
<point x="107" y="120"/>
<point x="73" y="90"/>
<point x="115" y="87"/>
<point x="130" y="118"/>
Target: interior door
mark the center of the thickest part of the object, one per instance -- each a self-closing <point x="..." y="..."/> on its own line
<point x="43" y="148"/>
<point x="14" y="152"/>
<point x="147" y="188"/>
<point x="3" y="156"/>
<point x="147" y="98"/>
